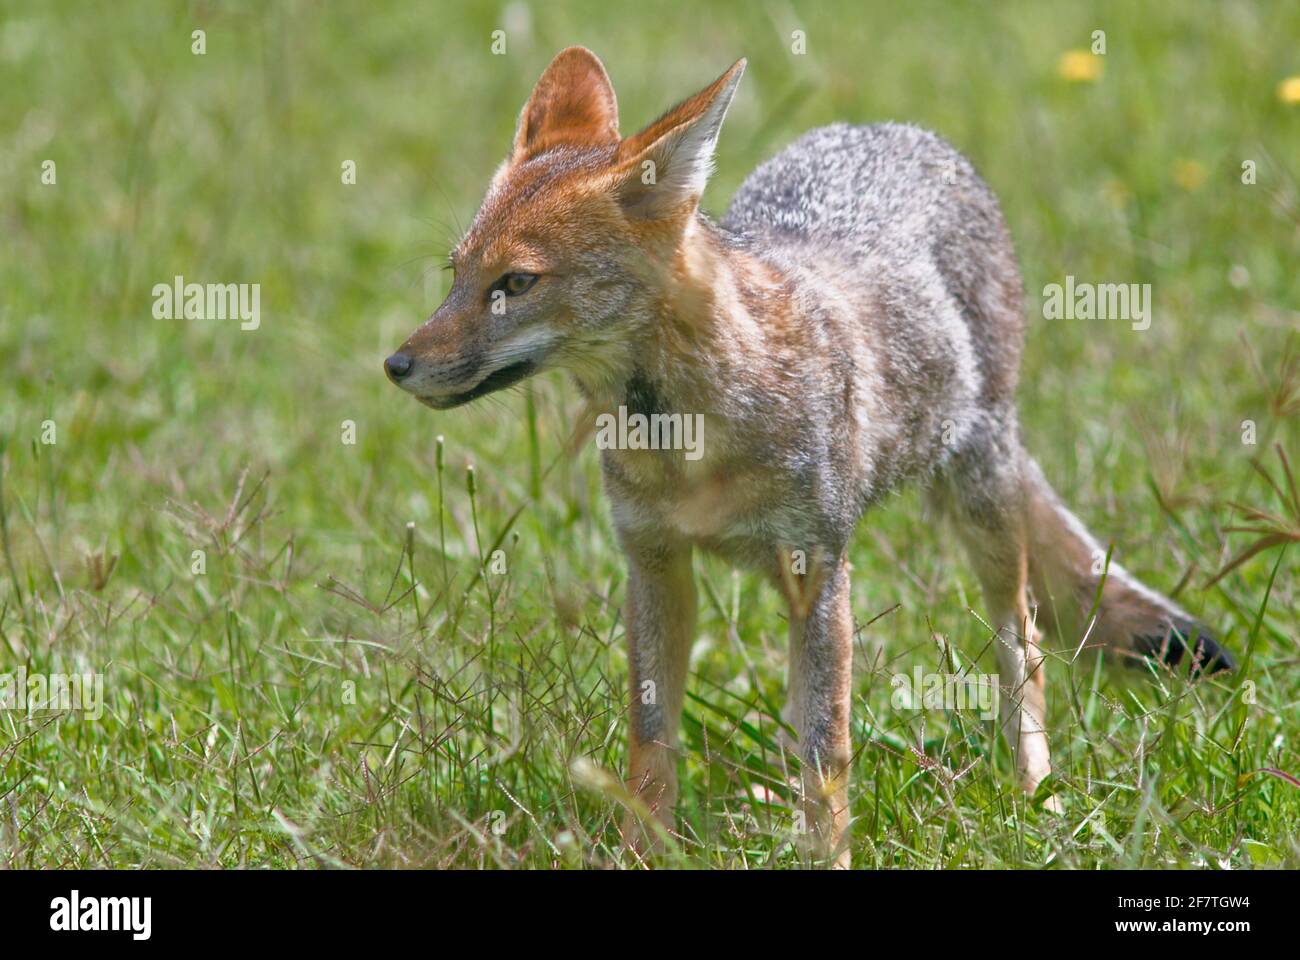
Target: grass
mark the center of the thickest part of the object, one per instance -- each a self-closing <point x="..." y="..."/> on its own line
<point x="354" y="680"/>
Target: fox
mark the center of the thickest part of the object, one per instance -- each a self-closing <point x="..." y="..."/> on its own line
<point x="852" y="324"/>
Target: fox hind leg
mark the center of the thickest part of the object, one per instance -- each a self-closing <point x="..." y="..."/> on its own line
<point x="818" y="704"/>
<point x="985" y="497"/>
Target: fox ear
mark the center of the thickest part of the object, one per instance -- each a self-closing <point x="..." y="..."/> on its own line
<point x="573" y="102"/>
<point x="664" y="168"/>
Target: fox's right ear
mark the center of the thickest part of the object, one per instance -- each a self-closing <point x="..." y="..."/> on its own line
<point x="662" y="170"/>
<point x="573" y="102"/>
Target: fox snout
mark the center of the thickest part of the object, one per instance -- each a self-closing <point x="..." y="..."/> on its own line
<point x="452" y="360"/>
<point x="398" y="366"/>
<point x="450" y="385"/>
<point x="432" y="366"/>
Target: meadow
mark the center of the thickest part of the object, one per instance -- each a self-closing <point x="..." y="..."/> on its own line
<point x="335" y="628"/>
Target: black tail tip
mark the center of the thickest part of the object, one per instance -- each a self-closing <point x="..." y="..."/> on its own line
<point x="1207" y="655"/>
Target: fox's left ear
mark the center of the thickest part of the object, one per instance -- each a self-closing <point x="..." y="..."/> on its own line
<point x="663" y="169"/>
<point x="573" y="102"/>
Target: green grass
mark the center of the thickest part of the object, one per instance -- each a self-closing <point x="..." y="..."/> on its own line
<point x="324" y="696"/>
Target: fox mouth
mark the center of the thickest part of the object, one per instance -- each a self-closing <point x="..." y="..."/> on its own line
<point x="499" y="379"/>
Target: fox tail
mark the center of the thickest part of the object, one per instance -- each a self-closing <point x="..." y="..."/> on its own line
<point x="1067" y="569"/>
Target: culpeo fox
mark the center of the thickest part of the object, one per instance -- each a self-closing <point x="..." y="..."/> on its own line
<point x="853" y="322"/>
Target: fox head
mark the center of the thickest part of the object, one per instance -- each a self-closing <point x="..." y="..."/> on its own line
<point x="574" y="249"/>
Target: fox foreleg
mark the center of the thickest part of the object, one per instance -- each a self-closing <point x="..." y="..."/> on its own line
<point x="660" y="626"/>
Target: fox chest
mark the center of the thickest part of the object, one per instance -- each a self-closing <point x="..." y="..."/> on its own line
<point x="710" y="505"/>
<point x="651" y="491"/>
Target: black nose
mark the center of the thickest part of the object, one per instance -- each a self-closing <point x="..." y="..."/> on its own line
<point x="397" y="366"/>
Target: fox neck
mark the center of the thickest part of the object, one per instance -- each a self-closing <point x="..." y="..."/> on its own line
<point x="705" y="335"/>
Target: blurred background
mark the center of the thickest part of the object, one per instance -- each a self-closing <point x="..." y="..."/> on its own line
<point x="230" y="738"/>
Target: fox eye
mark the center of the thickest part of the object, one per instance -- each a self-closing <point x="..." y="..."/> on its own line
<point x="514" y="284"/>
